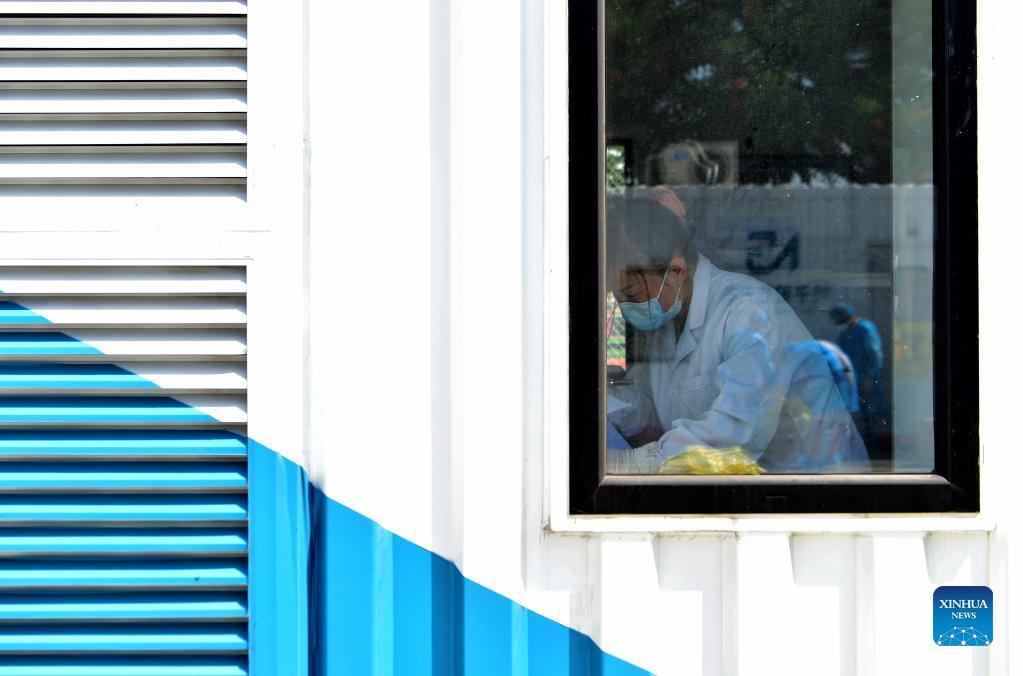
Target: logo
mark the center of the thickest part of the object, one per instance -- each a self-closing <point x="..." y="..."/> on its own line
<point x="963" y="616"/>
<point x="770" y="250"/>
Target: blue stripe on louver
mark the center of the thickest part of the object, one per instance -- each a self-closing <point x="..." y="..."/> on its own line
<point x="94" y="575"/>
<point x="91" y="376"/>
<point x="150" y="444"/>
<point x="13" y="313"/>
<point x="98" y="409"/>
<point x="52" y="570"/>
<point x="126" y="542"/>
<point x="80" y="665"/>
<point x="107" y="638"/>
<point x="121" y="476"/>
<point x="43" y="344"/>
<point x="122" y="607"/>
<point x="122" y="508"/>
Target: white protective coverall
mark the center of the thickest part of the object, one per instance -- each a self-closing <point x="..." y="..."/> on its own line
<point x="744" y="372"/>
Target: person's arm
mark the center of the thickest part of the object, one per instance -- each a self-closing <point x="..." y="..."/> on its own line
<point x="751" y="386"/>
<point x="638" y="421"/>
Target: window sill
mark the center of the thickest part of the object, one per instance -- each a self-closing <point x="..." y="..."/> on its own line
<point x="853" y="524"/>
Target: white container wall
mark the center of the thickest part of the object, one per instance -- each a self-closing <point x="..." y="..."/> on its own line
<point x="392" y="177"/>
<point x="438" y="271"/>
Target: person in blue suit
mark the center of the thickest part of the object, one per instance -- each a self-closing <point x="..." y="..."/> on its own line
<point x="842" y="372"/>
<point x="861" y="341"/>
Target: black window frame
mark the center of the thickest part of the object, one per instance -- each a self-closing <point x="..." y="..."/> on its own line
<point x="953" y="487"/>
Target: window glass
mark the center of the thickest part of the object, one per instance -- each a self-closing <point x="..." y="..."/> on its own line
<point x="769" y="219"/>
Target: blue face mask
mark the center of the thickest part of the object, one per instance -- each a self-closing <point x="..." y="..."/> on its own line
<point x="649" y="316"/>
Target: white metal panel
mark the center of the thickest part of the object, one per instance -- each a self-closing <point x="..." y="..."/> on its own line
<point x="902" y="620"/>
<point x="774" y="613"/>
<point x="825" y="576"/>
<point x="120" y="132"/>
<point x="998" y="47"/>
<point x="123" y="6"/>
<point x="397" y="84"/>
<point x="634" y="606"/>
<point x="703" y="567"/>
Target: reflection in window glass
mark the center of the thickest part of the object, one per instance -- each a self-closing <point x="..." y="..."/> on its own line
<point x="769" y="229"/>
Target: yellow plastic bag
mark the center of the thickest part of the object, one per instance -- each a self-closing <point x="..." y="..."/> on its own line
<point x="702" y="460"/>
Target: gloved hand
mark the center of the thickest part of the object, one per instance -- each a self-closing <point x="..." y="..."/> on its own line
<point x="701" y="460"/>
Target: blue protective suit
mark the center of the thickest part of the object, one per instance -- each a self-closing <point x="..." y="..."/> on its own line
<point x="843" y="374"/>
<point x="862" y="343"/>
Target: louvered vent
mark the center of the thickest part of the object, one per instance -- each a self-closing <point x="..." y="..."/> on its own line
<point x="123" y="471"/>
<point x="133" y="92"/>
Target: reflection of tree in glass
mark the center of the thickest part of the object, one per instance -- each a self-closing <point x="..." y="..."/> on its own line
<point x="804" y="86"/>
<point x="615" y="325"/>
<point x="615" y="168"/>
<point x="912" y="80"/>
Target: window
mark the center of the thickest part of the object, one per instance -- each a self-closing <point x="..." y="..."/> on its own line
<point x="772" y="257"/>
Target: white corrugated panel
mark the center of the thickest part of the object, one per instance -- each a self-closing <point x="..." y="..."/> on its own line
<point x="124" y="506"/>
<point x="109" y="93"/>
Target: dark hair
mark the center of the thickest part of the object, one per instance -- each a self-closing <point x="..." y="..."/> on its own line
<point x="643" y="235"/>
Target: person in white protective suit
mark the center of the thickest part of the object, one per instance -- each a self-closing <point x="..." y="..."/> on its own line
<point x="721" y="360"/>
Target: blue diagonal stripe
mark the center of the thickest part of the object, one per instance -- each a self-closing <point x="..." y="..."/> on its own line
<point x="13" y="313"/>
<point x="325" y="581"/>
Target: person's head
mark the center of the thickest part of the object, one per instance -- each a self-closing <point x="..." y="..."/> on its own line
<point x="842" y="313"/>
<point x="651" y="258"/>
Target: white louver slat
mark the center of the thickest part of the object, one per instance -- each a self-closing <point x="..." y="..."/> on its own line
<point x="124" y="512"/>
<point x="86" y="7"/>
<point x="121" y="33"/>
<point x="129" y="281"/>
<point x="115" y="345"/>
<point x="109" y="93"/>
<point x="84" y="311"/>
<point x="123" y="100"/>
<point x="126" y="133"/>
